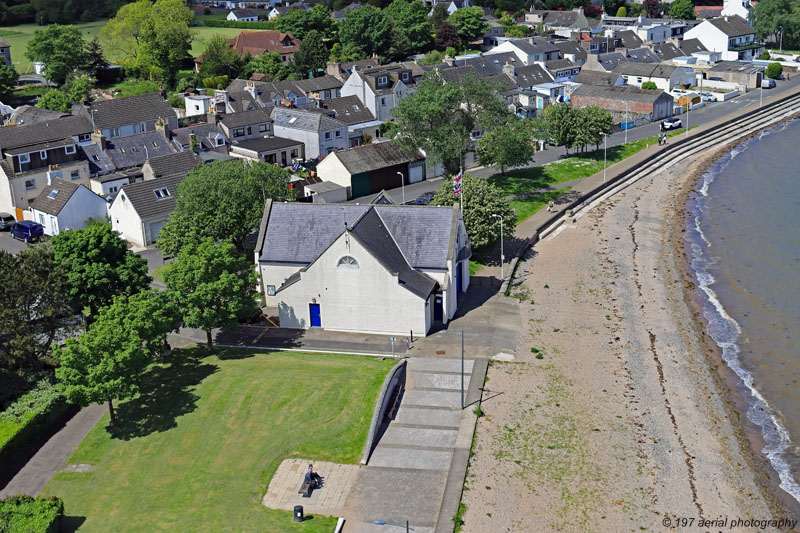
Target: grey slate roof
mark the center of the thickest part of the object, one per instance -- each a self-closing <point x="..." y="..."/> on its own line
<point x="534" y="45"/>
<point x="666" y="51"/>
<point x="69" y="141"/>
<point x="267" y="143"/>
<point x="623" y="93"/>
<point x="134" y="150"/>
<point x="641" y="55"/>
<point x="180" y="163"/>
<point x="610" y="60"/>
<point x="51" y="130"/>
<point x="530" y="75"/>
<point x="130" y="110"/>
<point x="371" y="157"/>
<point x="206" y="133"/>
<point x="304" y="120"/>
<point x="322" y="83"/>
<point x="99" y="162"/>
<point x="629" y="38"/>
<point x="246" y="118"/>
<point x="649" y="70"/>
<point x="422" y="232"/>
<point x="53" y="206"/>
<point x="372" y="232"/>
<point x="246" y="13"/>
<point x="347" y="109"/>
<point x="571" y="48"/>
<point x="488" y="64"/>
<point x="732" y="26"/>
<point x="596" y="77"/>
<point x="143" y="198"/>
<point x="382" y="199"/>
<point x="689" y="46"/>
<point x="26" y="114"/>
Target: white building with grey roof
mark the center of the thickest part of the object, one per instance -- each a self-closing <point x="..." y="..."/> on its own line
<point x="379" y="269"/>
<point x="320" y="134"/>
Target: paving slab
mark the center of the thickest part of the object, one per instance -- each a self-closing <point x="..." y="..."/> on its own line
<point x="432" y="398"/>
<point x="428" y="417"/>
<point x="423" y="437"/>
<point x="424" y="380"/>
<point x="439" y="364"/>
<point x="388" y="457"/>
<point x="337" y="478"/>
<point x="399" y="495"/>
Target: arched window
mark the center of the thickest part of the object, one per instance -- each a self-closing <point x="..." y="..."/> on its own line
<point x="347" y="262"/>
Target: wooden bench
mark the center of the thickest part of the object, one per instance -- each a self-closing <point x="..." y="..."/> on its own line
<point x="306" y="489"/>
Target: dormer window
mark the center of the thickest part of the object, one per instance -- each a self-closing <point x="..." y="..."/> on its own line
<point x="382" y="80"/>
<point x="162" y="193"/>
<point x="43" y="154"/>
<point x="404" y="76"/>
<point x="24" y="158"/>
<point x="70" y="149"/>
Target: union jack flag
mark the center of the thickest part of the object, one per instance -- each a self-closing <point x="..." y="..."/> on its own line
<point x="457" y="189"/>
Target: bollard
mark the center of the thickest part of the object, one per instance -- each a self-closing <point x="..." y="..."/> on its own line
<point x="298" y="513"/>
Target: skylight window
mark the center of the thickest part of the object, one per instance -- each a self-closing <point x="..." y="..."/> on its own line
<point x="292" y="120"/>
<point x="53" y="193"/>
<point x="162" y="193"/>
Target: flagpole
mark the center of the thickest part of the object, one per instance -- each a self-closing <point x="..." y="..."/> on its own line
<point x="461" y="194"/>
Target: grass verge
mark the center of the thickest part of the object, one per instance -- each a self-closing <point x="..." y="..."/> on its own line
<point x="196" y="449"/>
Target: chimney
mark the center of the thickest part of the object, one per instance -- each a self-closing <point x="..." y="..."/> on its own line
<point x="52" y="173"/>
<point x="99" y="139"/>
<point x="251" y="89"/>
<point x="726" y="18"/>
<point x="508" y="70"/>
<point x="162" y="127"/>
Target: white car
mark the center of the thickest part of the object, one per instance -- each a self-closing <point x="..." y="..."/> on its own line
<point x="672" y="123"/>
<point x="708" y="97"/>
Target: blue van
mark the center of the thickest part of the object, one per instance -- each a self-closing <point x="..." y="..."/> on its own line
<point x="27" y="230"/>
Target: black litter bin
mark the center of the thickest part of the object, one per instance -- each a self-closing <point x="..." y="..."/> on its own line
<point x="298" y="513"/>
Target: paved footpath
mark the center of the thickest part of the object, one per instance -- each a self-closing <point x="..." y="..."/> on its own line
<point x="51" y="457"/>
<point x="416" y="471"/>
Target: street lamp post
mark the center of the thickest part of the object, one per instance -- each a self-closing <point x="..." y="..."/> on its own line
<point x="502" y="254"/>
<point x="605" y="154"/>
<point x="688" y="110"/>
<point x="626" y="122"/>
<point x="403" y="185"/>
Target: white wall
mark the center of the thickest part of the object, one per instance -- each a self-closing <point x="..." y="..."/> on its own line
<point x="125" y="220"/>
<point x="331" y="169"/>
<point x="365" y="299"/>
<point x="275" y="275"/>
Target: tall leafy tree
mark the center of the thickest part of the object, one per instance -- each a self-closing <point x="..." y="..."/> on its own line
<point x="481" y="200"/>
<point x="446" y="37"/>
<point x="105" y="363"/>
<point x="439" y="14"/>
<point x="223" y="201"/>
<point x="508" y="145"/>
<point x="213" y="286"/>
<point x="560" y="123"/>
<point x="96" y="62"/>
<point x="60" y="48"/>
<point x="772" y="18"/>
<point x="682" y="9"/>
<point x="469" y="23"/>
<point x="219" y="59"/>
<point x="365" y="31"/>
<point x="439" y="118"/>
<point x="54" y="100"/>
<point x="299" y="22"/>
<point x="33" y="305"/>
<point x="8" y="82"/>
<point x="98" y="267"/>
<point x="653" y="8"/>
<point x="312" y="56"/>
<point x="411" y="31"/>
<point x="270" y="64"/>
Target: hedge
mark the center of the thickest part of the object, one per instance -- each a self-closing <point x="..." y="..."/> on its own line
<point x="24" y="514"/>
<point x="24" y="424"/>
<point x="260" y="25"/>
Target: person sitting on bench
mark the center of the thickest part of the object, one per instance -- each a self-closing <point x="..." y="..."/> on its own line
<point x="312" y="477"/>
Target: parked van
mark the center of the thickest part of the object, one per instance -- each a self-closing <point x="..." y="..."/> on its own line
<point x="27" y="230"/>
<point x="768" y="83"/>
<point x="6" y="221"/>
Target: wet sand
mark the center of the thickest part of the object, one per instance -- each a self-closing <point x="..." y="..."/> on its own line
<point x="617" y="414"/>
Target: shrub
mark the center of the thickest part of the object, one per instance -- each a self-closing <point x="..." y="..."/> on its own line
<point x="650" y="86"/>
<point x="31" y="515"/>
<point x="774" y="71"/>
<point x="622" y="11"/>
<point x="215" y="82"/>
<point x="764" y="56"/>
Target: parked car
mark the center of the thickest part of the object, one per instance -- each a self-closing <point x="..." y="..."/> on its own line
<point x="672" y="123"/>
<point x="27" y="230"/>
<point x="708" y="97"/>
<point x="6" y="221"/>
<point x="768" y="83"/>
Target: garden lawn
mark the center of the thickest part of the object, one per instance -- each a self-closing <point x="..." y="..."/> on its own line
<point x="517" y="182"/>
<point x="18" y="37"/>
<point x="196" y="450"/>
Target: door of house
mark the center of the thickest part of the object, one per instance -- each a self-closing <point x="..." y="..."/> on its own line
<point x="459" y="283"/>
<point x="437" y="307"/>
<point x="314" y="312"/>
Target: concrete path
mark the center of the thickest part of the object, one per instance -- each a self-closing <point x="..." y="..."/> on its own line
<point x="51" y="457"/>
<point x="416" y="471"/>
<point x="337" y="480"/>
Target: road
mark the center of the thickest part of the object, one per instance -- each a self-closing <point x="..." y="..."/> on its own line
<point x="10" y="244"/>
<point x="709" y="112"/>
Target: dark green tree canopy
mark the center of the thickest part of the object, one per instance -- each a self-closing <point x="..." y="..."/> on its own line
<point x="219" y="59"/>
<point x="469" y="23"/>
<point x="60" y="48"/>
<point x="98" y="267"/>
<point x="508" y="145"/>
<point x="312" y="56"/>
<point x="682" y="9"/>
<point x="8" y="82"/>
<point x="270" y="64"/>
<point x="224" y="201"/>
<point x="365" y="31"/>
<point x="411" y="31"/>
<point x="299" y="22"/>
<point x="446" y="37"/>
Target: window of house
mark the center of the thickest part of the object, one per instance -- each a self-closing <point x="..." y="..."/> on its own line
<point x="338" y="133"/>
<point x="196" y="107"/>
<point x="114" y="132"/>
<point x="42" y="154"/>
<point x="239" y="132"/>
<point x="347" y="262"/>
<point x="382" y="80"/>
<point x="162" y="193"/>
<point x="53" y="193"/>
<point x="123" y="199"/>
<point x="24" y="158"/>
<point x="249" y="130"/>
<point x="75" y="174"/>
<point x="294" y="153"/>
<point x="70" y="149"/>
<point x="404" y="76"/>
<point x="112" y="190"/>
<point x="220" y="141"/>
<point x="30" y="184"/>
<point x="327" y="135"/>
<point x="83" y="137"/>
<point x="327" y="94"/>
<point x="262" y="128"/>
<point x="383" y="100"/>
<point x="270" y="290"/>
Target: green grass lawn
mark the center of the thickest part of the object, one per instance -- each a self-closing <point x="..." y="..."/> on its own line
<point x="18" y="37"/>
<point x="196" y="450"/>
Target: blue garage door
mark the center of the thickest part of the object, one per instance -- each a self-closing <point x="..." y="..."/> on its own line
<point x="316" y="319"/>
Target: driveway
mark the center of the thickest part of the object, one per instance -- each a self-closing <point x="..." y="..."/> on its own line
<point x="10" y="244"/>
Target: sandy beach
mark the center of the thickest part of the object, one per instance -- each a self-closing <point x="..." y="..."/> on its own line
<point x="616" y="414"/>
